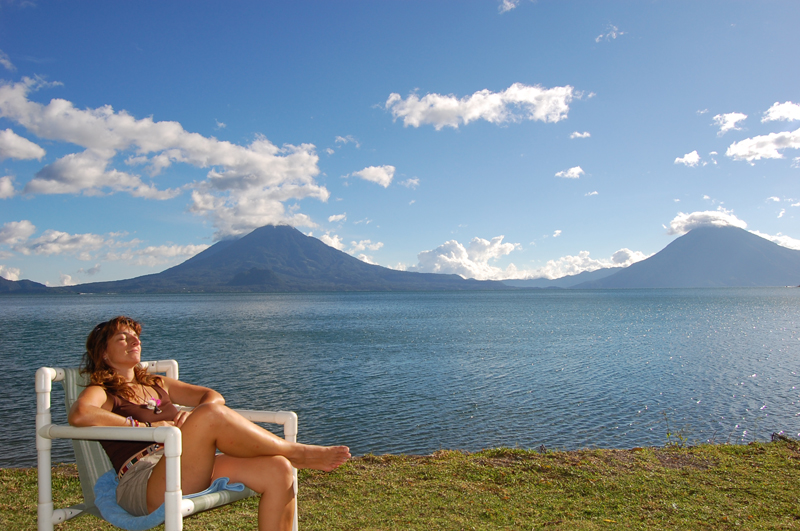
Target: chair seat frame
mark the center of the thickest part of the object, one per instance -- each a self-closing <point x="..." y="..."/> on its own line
<point x="175" y="507"/>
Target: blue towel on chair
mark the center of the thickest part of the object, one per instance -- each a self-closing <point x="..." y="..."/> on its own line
<point x="105" y="498"/>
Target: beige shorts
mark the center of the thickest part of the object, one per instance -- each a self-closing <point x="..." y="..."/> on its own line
<point x="132" y="488"/>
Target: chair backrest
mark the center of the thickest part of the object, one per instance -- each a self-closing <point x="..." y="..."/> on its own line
<point x="89" y="455"/>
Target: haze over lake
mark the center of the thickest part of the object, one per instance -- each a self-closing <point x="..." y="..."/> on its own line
<point x="416" y="372"/>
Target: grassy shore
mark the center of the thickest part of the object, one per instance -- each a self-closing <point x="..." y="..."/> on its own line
<point x="754" y="486"/>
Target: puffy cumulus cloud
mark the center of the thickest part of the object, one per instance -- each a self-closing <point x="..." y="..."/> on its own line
<point x="65" y="280"/>
<point x="572" y="173"/>
<point x="764" y="146"/>
<point x="246" y="186"/>
<point x="773" y="198"/>
<point x="53" y="242"/>
<point x="337" y="217"/>
<point x="727" y="122"/>
<point x="6" y="187"/>
<point x="576" y="134"/>
<point x="591" y="193"/>
<point x="382" y="175"/>
<point x="612" y="33"/>
<point x="582" y="262"/>
<point x="333" y="241"/>
<point x="88" y="172"/>
<point x="516" y="103"/>
<point x="683" y="223"/>
<point x="469" y="262"/>
<point x="412" y="183"/>
<point x="780" y="239"/>
<point x="9" y="273"/>
<point x="557" y="233"/>
<point x="364" y="245"/>
<point x="786" y="111"/>
<point x="13" y="146"/>
<point x="14" y="232"/>
<point x="690" y="159"/>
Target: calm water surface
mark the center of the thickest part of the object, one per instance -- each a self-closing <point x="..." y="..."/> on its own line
<point x="416" y="372"/>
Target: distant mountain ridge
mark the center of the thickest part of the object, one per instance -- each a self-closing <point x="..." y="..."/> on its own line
<point x="561" y="282"/>
<point x="709" y="257"/>
<point x="279" y="258"/>
<point x="282" y="259"/>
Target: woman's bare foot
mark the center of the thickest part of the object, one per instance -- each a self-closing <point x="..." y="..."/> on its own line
<point x="324" y="458"/>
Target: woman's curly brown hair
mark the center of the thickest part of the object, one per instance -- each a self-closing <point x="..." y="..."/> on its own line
<point x="95" y="365"/>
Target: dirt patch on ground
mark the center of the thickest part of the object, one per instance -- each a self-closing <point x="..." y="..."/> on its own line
<point x="678" y="460"/>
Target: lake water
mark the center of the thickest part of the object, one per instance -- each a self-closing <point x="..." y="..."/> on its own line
<point x="417" y="372"/>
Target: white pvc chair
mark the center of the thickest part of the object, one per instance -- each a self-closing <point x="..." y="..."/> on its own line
<point x="93" y="462"/>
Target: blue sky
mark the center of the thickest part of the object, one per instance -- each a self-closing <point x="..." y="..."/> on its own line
<point x="485" y="138"/>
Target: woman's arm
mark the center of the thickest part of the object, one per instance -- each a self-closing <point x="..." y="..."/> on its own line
<point x="93" y="408"/>
<point x="190" y="395"/>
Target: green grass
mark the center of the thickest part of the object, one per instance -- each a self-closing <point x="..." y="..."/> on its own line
<point x="754" y="486"/>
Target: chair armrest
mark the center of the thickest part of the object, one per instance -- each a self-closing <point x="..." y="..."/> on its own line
<point x="167" y="435"/>
<point x="287" y="418"/>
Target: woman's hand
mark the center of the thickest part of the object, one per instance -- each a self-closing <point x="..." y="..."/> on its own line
<point x="180" y="418"/>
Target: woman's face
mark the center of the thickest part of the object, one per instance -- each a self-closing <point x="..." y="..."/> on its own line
<point x="124" y="350"/>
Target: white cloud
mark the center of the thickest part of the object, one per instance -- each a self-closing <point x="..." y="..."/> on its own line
<point x="786" y="111"/>
<point x="573" y="265"/>
<point x="572" y="173"/>
<point x="88" y="172"/>
<point x="411" y="183"/>
<point x="613" y="33"/>
<point x="6" y="62"/>
<point x="690" y="159"/>
<point x="469" y="262"/>
<point x="329" y="151"/>
<point x="6" y="187"/>
<point x="382" y="175"/>
<point x="366" y="259"/>
<point x="591" y="193"/>
<point x="576" y="134"/>
<point x="245" y="187"/>
<point x="91" y="271"/>
<point x="727" y="122"/>
<point x="557" y="233"/>
<point x="764" y="146"/>
<point x="782" y="212"/>
<point x="364" y="245"/>
<point x="349" y="139"/>
<point x="14" y="232"/>
<point x="13" y="146"/>
<point x="9" y="273"/>
<point x="683" y="223"/>
<point x="773" y="198"/>
<point x="53" y="242"/>
<point x="516" y="103"/>
<point x="65" y="280"/>
<point x="161" y="254"/>
<point x="507" y="5"/>
<point x="337" y="217"/>
<point x="334" y="241"/>
<point x="780" y="239"/>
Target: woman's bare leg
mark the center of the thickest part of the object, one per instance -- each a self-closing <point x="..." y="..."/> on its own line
<point x="213" y="426"/>
<point x="273" y="478"/>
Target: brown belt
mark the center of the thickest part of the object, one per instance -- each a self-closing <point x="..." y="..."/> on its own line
<point x="136" y="458"/>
